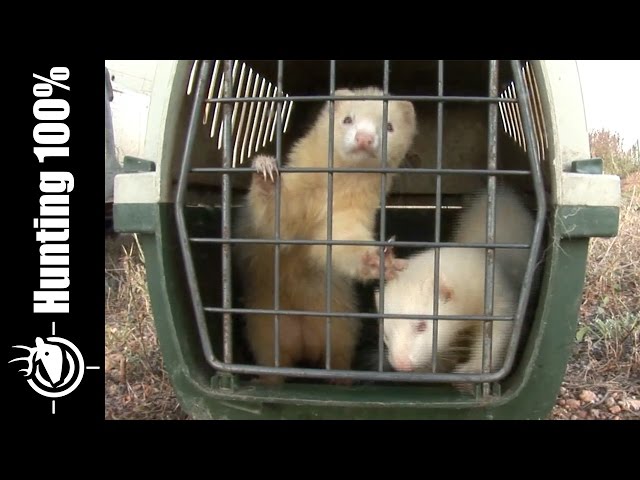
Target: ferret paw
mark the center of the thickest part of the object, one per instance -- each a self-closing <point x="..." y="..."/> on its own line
<point x="265" y="165"/>
<point x="370" y="268"/>
<point x="393" y="264"/>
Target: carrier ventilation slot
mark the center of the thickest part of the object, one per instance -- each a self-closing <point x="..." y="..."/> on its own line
<point x="510" y="113"/>
<point x="253" y="123"/>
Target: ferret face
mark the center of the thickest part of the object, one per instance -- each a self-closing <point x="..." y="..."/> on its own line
<point x="359" y="129"/>
<point x="410" y="342"/>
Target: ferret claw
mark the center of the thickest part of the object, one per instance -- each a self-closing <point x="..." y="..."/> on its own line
<point x="265" y="165"/>
<point x="389" y="248"/>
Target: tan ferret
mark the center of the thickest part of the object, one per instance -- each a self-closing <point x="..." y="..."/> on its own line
<point x="303" y="215"/>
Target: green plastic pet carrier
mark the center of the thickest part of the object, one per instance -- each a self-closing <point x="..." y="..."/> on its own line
<point x="479" y="122"/>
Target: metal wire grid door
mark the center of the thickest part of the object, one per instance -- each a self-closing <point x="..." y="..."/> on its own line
<point x="517" y="100"/>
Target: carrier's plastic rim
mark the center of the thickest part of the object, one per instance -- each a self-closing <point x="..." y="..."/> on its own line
<point x="136" y="188"/>
<point x="583" y="189"/>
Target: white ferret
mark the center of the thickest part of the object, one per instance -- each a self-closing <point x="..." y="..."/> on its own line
<point x="461" y="292"/>
<point x="303" y="215"/>
<point x="514" y="224"/>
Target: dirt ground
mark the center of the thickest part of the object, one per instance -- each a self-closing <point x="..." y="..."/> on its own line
<point x="602" y="380"/>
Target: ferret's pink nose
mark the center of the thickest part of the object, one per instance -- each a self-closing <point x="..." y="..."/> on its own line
<point x="403" y="364"/>
<point x="364" y="140"/>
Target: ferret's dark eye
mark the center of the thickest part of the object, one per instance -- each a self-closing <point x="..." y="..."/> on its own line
<point x="421" y="326"/>
<point x="46" y="353"/>
<point x="347" y="120"/>
<point x="390" y="127"/>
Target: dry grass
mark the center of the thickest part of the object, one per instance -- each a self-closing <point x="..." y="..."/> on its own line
<point x="613" y="271"/>
<point x="609" y="146"/>
<point x="606" y="360"/>
<point x="136" y="385"/>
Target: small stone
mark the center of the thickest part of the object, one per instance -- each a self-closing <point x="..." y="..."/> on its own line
<point x="634" y="404"/>
<point x="610" y="402"/>
<point x="563" y="391"/>
<point x="616" y="418"/>
<point x="574" y="417"/>
<point x="615" y="409"/>
<point x="573" y="403"/>
<point x="587" y="396"/>
<point x="562" y="402"/>
<point x="561" y="412"/>
<point x="582" y="414"/>
<point x="595" y="413"/>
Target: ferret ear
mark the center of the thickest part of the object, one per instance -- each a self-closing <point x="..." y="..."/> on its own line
<point x="444" y="289"/>
<point x="409" y="111"/>
<point x="376" y="296"/>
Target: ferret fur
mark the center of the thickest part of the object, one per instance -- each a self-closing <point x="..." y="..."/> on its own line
<point x="303" y="215"/>
<point x="461" y="292"/>
<point x="514" y="224"/>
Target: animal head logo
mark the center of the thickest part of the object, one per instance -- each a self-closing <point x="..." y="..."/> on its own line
<point x="55" y="366"/>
